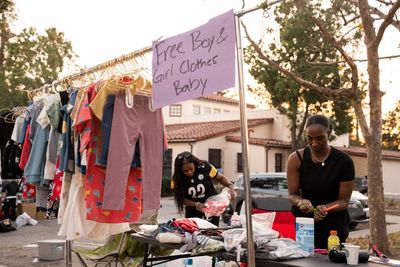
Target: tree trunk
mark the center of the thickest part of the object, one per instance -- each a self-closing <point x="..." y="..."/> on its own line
<point x="374" y="138"/>
<point x="374" y="156"/>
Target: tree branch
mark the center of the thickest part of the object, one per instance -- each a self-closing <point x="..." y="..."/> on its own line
<point x="295" y="77"/>
<point x="347" y="58"/>
<point x="387" y="21"/>
<point x="376" y="11"/>
<point x="355" y="60"/>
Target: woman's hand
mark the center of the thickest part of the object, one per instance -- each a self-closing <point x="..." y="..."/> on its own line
<point x="320" y="213"/>
<point x="305" y="206"/>
<point x="232" y="192"/>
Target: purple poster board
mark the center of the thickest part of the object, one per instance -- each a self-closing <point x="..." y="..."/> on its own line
<point x="195" y="63"/>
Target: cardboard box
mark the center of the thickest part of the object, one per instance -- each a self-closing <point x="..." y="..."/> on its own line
<point x="29" y="208"/>
<point x="40" y="215"/>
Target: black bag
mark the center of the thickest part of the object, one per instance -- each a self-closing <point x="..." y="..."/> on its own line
<point x="6" y="226"/>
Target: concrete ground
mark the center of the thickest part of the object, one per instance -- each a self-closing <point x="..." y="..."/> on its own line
<point x="19" y="248"/>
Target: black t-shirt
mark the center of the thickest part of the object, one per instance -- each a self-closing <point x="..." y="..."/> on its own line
<point x="320" y="185"/>
<point x="11" y="189"/>
<point x="199" y="187"/>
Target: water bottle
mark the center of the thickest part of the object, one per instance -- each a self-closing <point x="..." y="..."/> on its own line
<point x="235" y="220"/>
<point x="333" y="241"/>
<point x="305" y="234"/>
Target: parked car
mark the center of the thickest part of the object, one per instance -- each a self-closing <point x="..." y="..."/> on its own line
<point x="269" y="191"/>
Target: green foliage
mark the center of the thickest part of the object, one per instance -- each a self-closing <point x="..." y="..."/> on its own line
<point x="305" y="51"/>
<point x="29" y="60"/>
<point x="391" y="129"/>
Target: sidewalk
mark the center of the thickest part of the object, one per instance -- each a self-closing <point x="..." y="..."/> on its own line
<point x="393" y="225"/>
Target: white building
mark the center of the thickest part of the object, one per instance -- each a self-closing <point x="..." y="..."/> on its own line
<point x="209" y="127"/>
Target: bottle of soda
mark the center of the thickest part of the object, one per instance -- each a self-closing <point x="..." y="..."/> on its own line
<point x="333" y="240"/>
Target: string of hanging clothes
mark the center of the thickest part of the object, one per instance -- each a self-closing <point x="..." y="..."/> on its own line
<point x="111" y="148"/>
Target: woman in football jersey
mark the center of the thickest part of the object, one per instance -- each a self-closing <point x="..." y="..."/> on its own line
<point x="193" y="184"/>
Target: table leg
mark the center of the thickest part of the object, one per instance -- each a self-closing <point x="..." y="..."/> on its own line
<point x="146" y="254"/>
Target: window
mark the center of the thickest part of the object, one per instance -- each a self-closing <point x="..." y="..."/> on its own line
<point x="207" y="110"/>
<point x="196" y="110"/>
<point x="278" y="162"/>
<point x="216" y="110"/>
<point x="175" y="111"/>
<point x="239" y="162"/>
<point x="167" y="165"/>
<point x="214" y="157"/>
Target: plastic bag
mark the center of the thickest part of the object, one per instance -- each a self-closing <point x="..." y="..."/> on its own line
<point x="216" y="205"/>
<point x="25" y="219"/>
<point x="232" y="238"/>
<point x="262" y="224"/>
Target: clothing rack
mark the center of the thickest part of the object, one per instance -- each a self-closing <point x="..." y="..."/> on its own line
<point x="92" y="70"/>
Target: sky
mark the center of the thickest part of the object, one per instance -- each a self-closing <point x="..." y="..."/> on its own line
<point x="100" y="30"/>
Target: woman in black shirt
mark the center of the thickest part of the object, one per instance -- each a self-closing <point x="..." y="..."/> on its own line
<point x="192" y="184"/>
<point x="319" y="177"/>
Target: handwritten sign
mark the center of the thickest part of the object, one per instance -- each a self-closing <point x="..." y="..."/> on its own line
<point x="195" y="63"/>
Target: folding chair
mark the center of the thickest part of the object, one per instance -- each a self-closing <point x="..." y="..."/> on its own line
<point x="112" y="251"/>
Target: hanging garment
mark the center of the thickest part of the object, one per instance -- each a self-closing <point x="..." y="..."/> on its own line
<point x="33" y="112"/>
<point x="26" y="148"/>
<point x="129" y="125"/>
<point x="6" y="129"/>
<point x="34" y="169"/>
<point x="74" y="225"/>
<point x="67" y="155"/>
<point x="88" y="127"/>
<point x="104" y="139"/>
<point x="53" y="200"/>
<point x="10" y="164"/>
<point x="18" y="128"/>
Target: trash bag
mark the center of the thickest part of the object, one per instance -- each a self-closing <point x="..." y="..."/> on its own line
<point x="6" y="225"/>
<point x="25" y="219"/>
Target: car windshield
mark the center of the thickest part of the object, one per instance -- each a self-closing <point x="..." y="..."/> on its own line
<point x="269" y="183"/>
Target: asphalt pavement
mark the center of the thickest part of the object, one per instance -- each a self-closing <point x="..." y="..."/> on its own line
<point x="19" y="248"/>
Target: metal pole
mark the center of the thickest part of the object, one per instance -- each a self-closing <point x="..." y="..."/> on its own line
<point x="245" y="134"/>
<point x="68" y="252"/>
<point x="245" y="148"/>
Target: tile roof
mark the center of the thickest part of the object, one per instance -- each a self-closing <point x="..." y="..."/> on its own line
<point x="223" y="99"/>
<point x="351" y="151"/>
<point x="261" y="142"/>
<point x="185" y="132"/>
<point x="362" y="152"/>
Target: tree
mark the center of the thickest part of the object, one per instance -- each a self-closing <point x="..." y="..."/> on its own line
<point x="28" y="60"/>
<point x="304" y="51"/>
<point x="391" y="129"/>
<point x="362" y="16"/>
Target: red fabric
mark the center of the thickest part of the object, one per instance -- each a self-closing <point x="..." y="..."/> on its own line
<point x="284" y="223"/>
<point x="28" y="190"/>
<point x="186" y="224"/>
<point x="57" y="182"/>
<point x="26" y="148"/>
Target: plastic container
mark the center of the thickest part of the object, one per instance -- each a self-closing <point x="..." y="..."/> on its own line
<point x="235" y="220"/>
<point x="51" y="250"/>
<point x="188" y="262"/>
<point x="305" y="234"/>
<point x="333" y="241"/>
